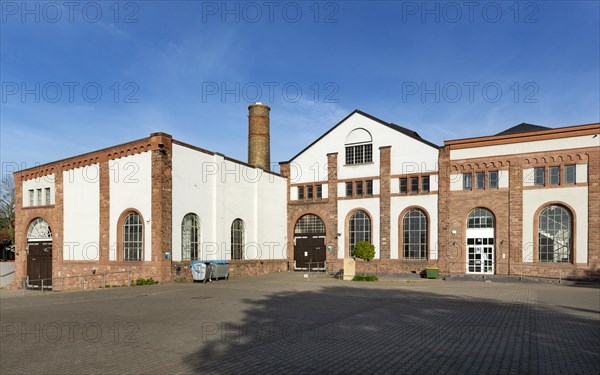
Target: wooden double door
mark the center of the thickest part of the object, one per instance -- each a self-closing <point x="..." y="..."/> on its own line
<point x="310" y="251"/>
<point x="39" y="265"/>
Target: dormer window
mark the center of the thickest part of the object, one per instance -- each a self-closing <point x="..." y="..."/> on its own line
<point x="359" y="147"/>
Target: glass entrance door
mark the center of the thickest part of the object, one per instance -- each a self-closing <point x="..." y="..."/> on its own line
<point x="480" y="253"/>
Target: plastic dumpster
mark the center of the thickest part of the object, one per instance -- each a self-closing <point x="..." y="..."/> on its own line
<point x="219" y="269"/>
<point x="201" y="270"/>
<point x="432" y="272"/>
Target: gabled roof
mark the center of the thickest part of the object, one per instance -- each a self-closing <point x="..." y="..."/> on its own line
<point x="523" y="128"/>
<point x="408" y="132"/>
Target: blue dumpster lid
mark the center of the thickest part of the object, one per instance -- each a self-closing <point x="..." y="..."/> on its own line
<point x="219" y="261"/>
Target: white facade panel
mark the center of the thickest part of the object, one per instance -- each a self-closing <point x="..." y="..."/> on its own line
<point x="369" y="205"/>
<point x="524" y="147"/>
<point x="219" y="191"/>
<point x="503" y="179"/>
<point x="581" y="173"/>
<point x="428" y="203"/>
<point x="456" y="181"/>
<point x="81" y="200"/>
<point x="528" y="177"/>
<point x="294" y="193"/>
<point x="325" y="190"/>
<point x="131" y="187"/>
<point x="575" y="197"/>
<point x="341" y="189"/>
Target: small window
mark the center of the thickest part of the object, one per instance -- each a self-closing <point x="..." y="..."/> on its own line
<point x="319" y="191"/>
<point x="403" y="185"/>
<point x="414" y="185"/>
<point x="480" y="180"/>
<point x="359" y="188"/>
<point x="425" y="184"/>
<point x="538" y="176"/>
<point x="493" y="179"/>
<point x="348" y="189"/>
<point x="554" y="175"/>
<point x="467" y="181"/>
<point x="569" y="174"/>
<point x="369" y="187"/>
<point x="39" y="197"/>
<point x="31" y="197"/>
<point x="309" y="192"/>
<point x="47" y="196"/>
<point x="300" y="193"/>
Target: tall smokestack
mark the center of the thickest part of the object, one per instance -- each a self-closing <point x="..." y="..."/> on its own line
<point x="259" y="138"/>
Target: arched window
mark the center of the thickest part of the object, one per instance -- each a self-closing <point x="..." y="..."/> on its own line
<point x="359" y="228"/>
<point x="414" y="235"/>
<point x="309" y="224"/>
<point x="359" y="147"/>
<point x="133" y="231"/>
<point x="39" y="230"/>
<point x="237" y="239"/>
<point x="190" y="237"/>
<point x="554" y="234"/>
<point x="480" y="218"/>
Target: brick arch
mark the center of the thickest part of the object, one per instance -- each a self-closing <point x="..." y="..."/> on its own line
<point x="119" y="238"/>
<point x="536" y="218"/>
<point x="347" y="228"/>
<point x="401" y="229"/>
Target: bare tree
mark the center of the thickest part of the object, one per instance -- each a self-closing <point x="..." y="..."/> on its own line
<point x="7" y="208"/>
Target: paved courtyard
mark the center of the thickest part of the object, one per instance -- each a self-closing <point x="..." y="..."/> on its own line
<point x="284" y="323"/>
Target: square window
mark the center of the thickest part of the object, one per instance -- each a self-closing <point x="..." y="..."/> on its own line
<point x="414" y="185"/>
<point x="300" y="193"/>
<point x="493" y="179"/>
<point x="569" y="174"/>
<point x="538" y="176"/>
<point x="403" y="185"/>
<point x="309" y="192"/>
<point x="480" y="180"/>
<point x="554" y="175"/>
<point x="319" y="191"/>
<point x="425" y="184"/>
<point x="369" y="187"/>
<point x="359" y="188"/>
<point x="348" y="189"/>
<point x="467" y="181"/>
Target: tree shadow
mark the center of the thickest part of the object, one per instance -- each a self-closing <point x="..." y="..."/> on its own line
<point x="365" y="330"/>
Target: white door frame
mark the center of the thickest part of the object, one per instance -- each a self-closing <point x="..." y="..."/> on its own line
<point x="480" y="251"/>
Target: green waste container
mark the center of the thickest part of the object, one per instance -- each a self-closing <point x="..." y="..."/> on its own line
<point x="432" y="272"/>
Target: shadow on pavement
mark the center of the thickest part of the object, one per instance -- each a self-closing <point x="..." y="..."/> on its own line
<point x="350" y="330"/>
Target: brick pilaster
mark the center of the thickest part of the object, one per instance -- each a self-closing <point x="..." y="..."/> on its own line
<point x="104" y="212"/>
<point x="515" y="217"/>
<point x="332" y="207"/>
<point x="593" y="210"/>
<point x="384" y="201"/>
<point x="443" y="211"/>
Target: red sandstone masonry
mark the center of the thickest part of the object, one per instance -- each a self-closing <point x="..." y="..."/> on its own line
<point x="384" y="202"/>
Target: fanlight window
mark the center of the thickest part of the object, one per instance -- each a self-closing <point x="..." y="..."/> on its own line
<point x="190" y="237"/>
<point x="309" y="224"/>
<point x="480" y="218"/>
<point x="554" y="235"/>
<point x="39" y="230"/>
<point x="360" y="229"/>
<point x="237" y="239"/>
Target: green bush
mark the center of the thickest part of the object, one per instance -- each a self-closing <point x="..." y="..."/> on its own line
<point x="364" y="250"/>
<point x="365" y="278"/>
<point x="143" y="281"/>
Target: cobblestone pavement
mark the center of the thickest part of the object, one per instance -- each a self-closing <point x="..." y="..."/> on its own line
<point x="284" y="323"/>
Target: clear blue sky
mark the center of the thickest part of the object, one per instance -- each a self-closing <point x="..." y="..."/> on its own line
<point x="166" y="65"/>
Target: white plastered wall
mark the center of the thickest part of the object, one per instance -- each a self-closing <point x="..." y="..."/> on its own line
<point x="131" y="187"/>
<point x="81" y="200"/>
<point x="427" y="202"/>
<point x="575" y="197"/>
<point x="39" y="183"/>
<point x="219" y="191"/>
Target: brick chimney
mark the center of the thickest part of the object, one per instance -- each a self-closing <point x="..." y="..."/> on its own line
<point x="259" y="138"/>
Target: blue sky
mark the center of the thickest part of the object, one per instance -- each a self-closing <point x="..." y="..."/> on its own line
<point x="102" y="73"/>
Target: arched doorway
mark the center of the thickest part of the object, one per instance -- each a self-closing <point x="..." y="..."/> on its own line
<point x="309" y="243"/>
<point x="480" y="242"/>
<point x="39" y="255"/>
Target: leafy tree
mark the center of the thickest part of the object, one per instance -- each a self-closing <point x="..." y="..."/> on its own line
<point x="7" y="208"/>
<point x="364" y="250"/>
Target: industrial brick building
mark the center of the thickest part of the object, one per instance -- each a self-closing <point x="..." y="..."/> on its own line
<point x="522" y="202"/>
